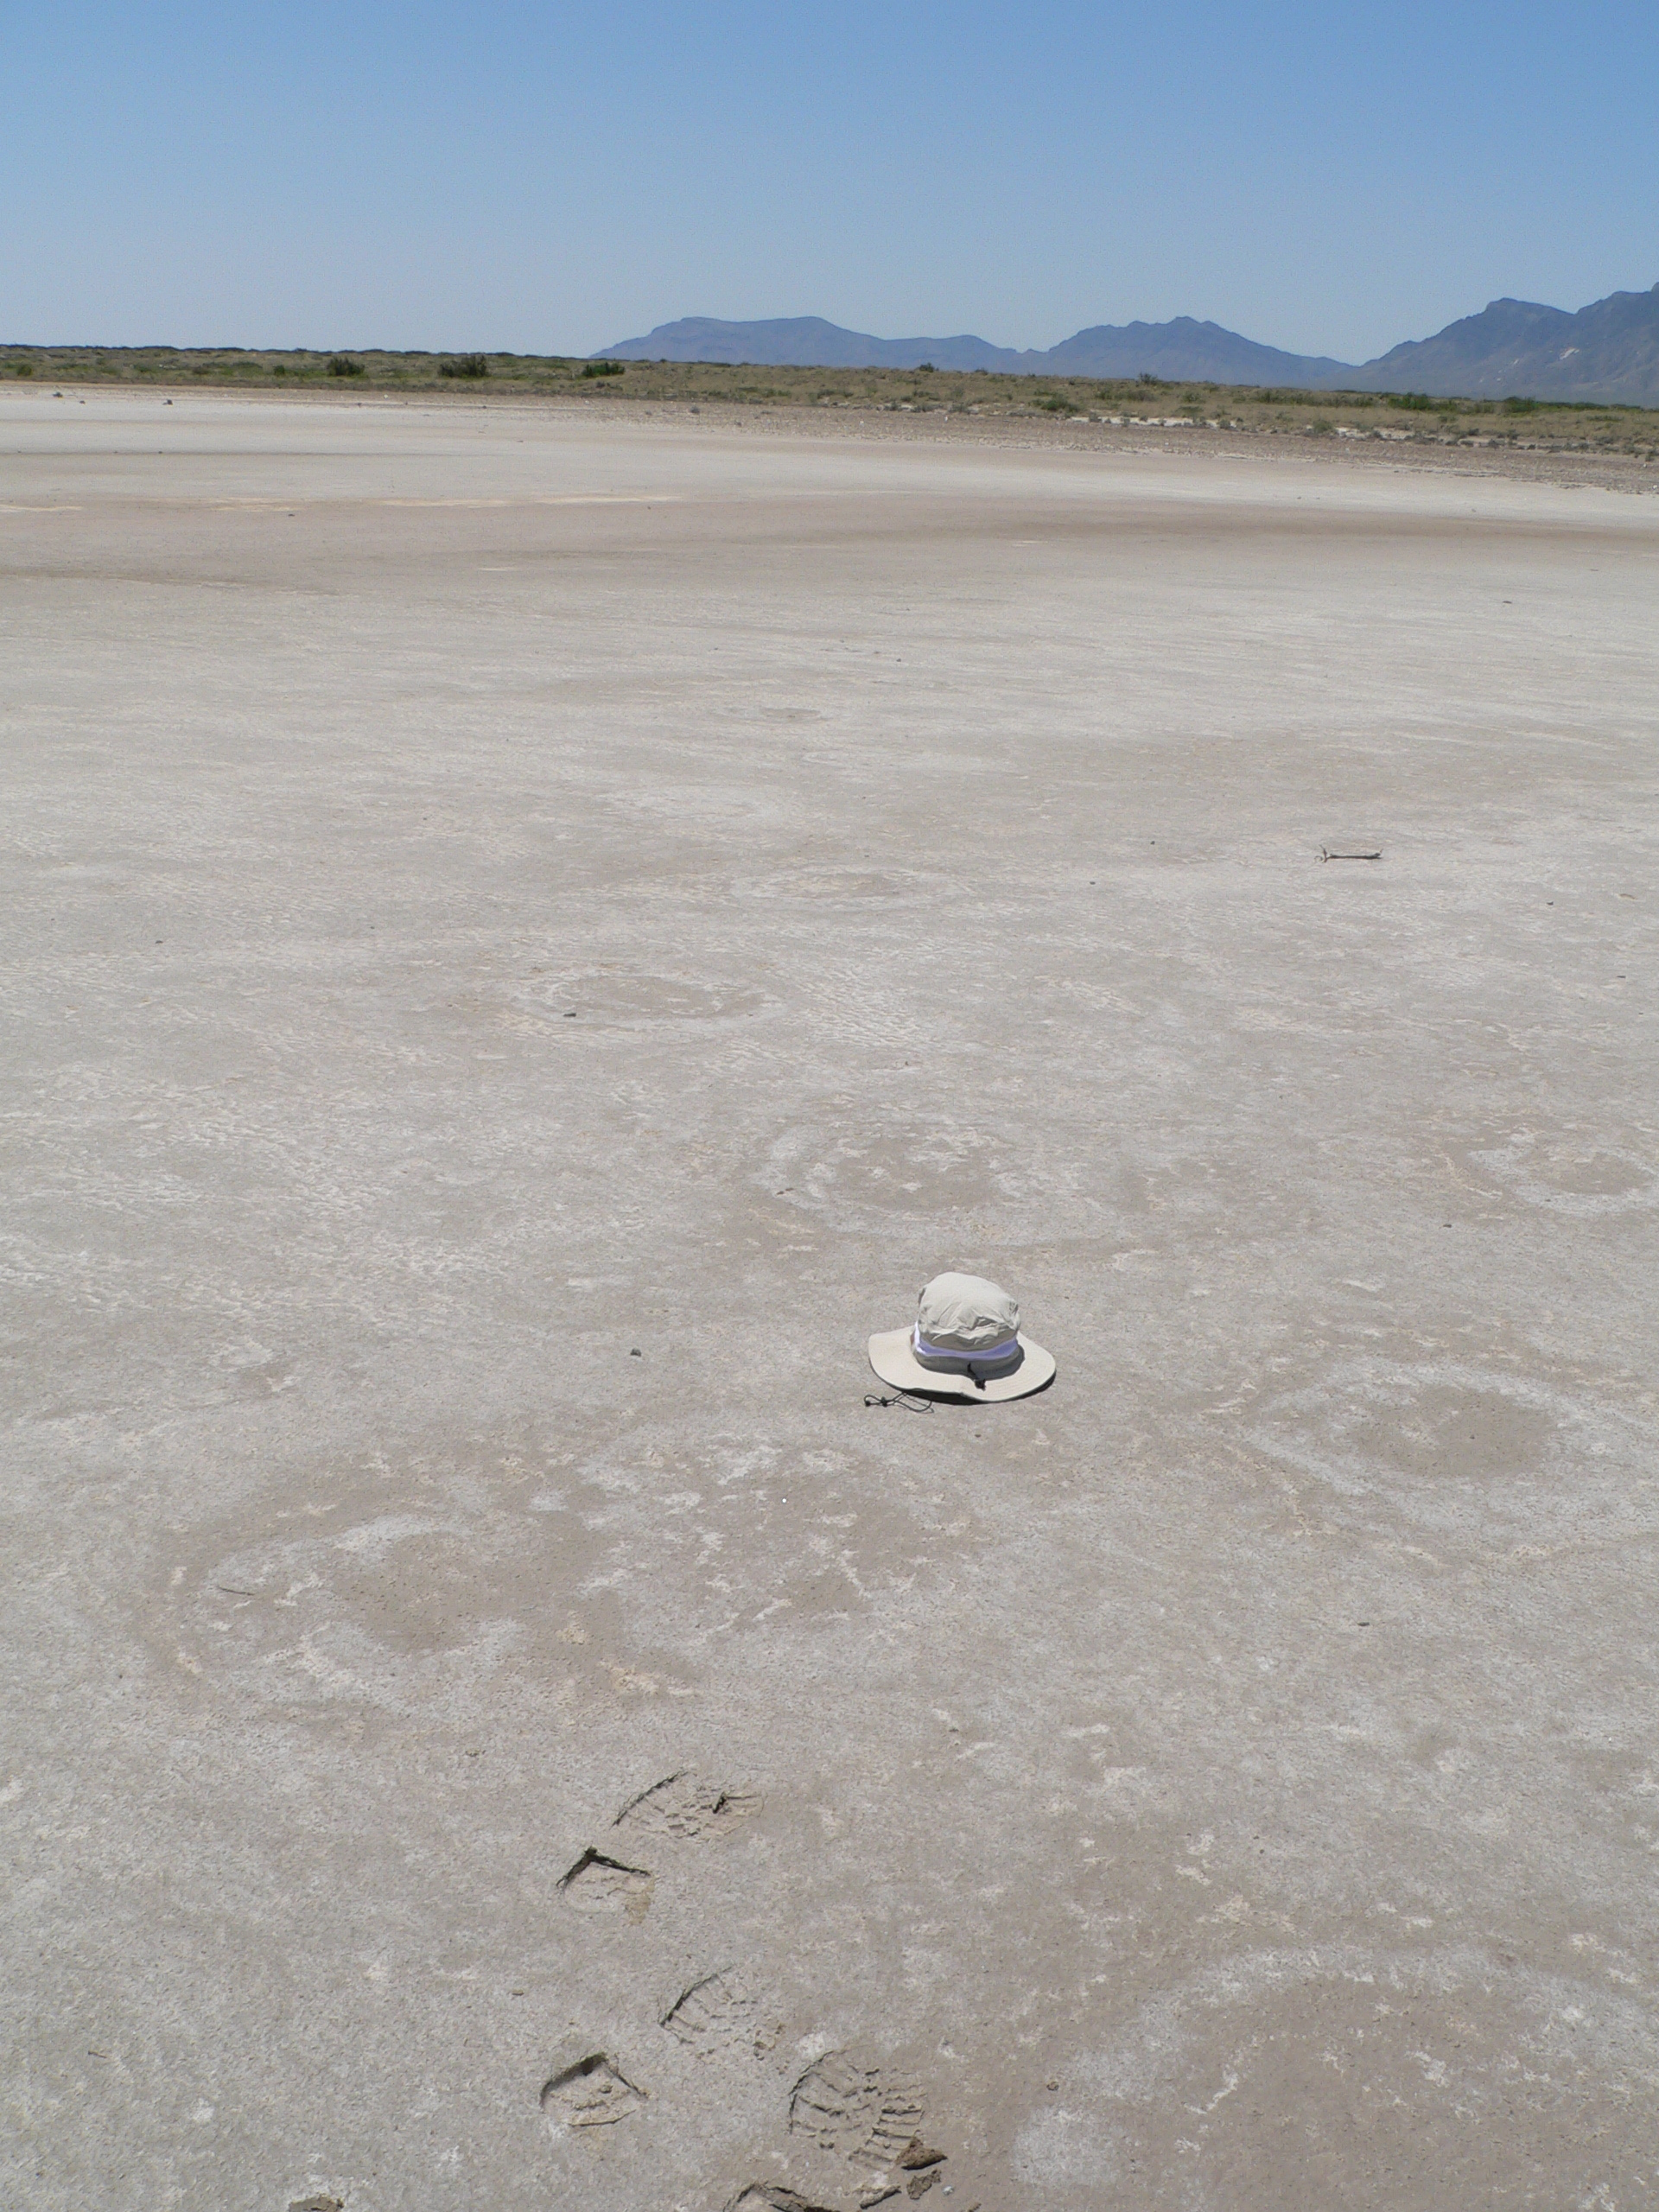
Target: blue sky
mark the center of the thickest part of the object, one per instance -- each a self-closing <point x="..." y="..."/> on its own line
<point x="552" y="179"/>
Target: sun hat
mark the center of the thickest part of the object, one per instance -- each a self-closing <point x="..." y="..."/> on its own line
<point x="966" y="1344"/>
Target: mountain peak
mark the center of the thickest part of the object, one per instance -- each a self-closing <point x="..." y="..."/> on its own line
<point x="1608" y="351"/>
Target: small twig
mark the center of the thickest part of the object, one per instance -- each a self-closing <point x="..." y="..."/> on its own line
<point x="1326" y="854"/>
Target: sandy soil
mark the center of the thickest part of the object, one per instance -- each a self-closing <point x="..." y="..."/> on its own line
<point x="527" y="938"/>
<point x="1441" y="451"/>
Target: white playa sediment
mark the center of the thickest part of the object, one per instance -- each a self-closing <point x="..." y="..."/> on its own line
<point x="492" y="893"/>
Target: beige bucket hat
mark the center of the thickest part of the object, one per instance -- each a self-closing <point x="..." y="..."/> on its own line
<point x="966" y="1344"/>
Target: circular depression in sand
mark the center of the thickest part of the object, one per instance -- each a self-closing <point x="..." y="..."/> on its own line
<point x="957" y="1178"/>
<point x="635" y="998"/>
<point x="405" y="1611"/>
<point x="1569" y="1175"/>
<point x="855" y="888"/>
<point x="1472" y="1449"/>
<point x="1343" y="2077"/>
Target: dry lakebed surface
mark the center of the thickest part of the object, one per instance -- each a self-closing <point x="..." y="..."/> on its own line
<point x="528" y="936"/>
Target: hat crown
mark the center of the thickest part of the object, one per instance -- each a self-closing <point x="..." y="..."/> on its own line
<point x="966" y="1313"/>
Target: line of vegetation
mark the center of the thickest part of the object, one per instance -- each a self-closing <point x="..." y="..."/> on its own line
<point x="1145" y="400"/>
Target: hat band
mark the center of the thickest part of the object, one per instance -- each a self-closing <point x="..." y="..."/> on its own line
<point x="949" y="1362"/>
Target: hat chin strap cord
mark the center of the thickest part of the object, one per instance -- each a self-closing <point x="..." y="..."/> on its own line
<point x="950" y="1366"/>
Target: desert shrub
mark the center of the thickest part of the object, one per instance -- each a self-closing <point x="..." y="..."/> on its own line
<point x="341" y="365"/>
<point x="470" y="365"/>
<point x="279" y="368"/>
<point x="24" y="369"/>
<point x="1514" y="405"/>
<point x="1418" y="402"/>
<point x="601" y="368"/>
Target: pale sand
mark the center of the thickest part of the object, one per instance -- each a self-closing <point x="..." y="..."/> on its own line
<point x="488" y="892"/>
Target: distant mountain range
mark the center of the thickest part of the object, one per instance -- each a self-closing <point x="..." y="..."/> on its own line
<point x="1608" y="351"/>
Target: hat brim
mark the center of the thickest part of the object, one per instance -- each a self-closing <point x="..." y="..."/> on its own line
<point x="895" y="1362"/>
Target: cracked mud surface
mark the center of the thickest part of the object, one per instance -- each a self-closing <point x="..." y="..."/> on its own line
<point x="527" y="941"/>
